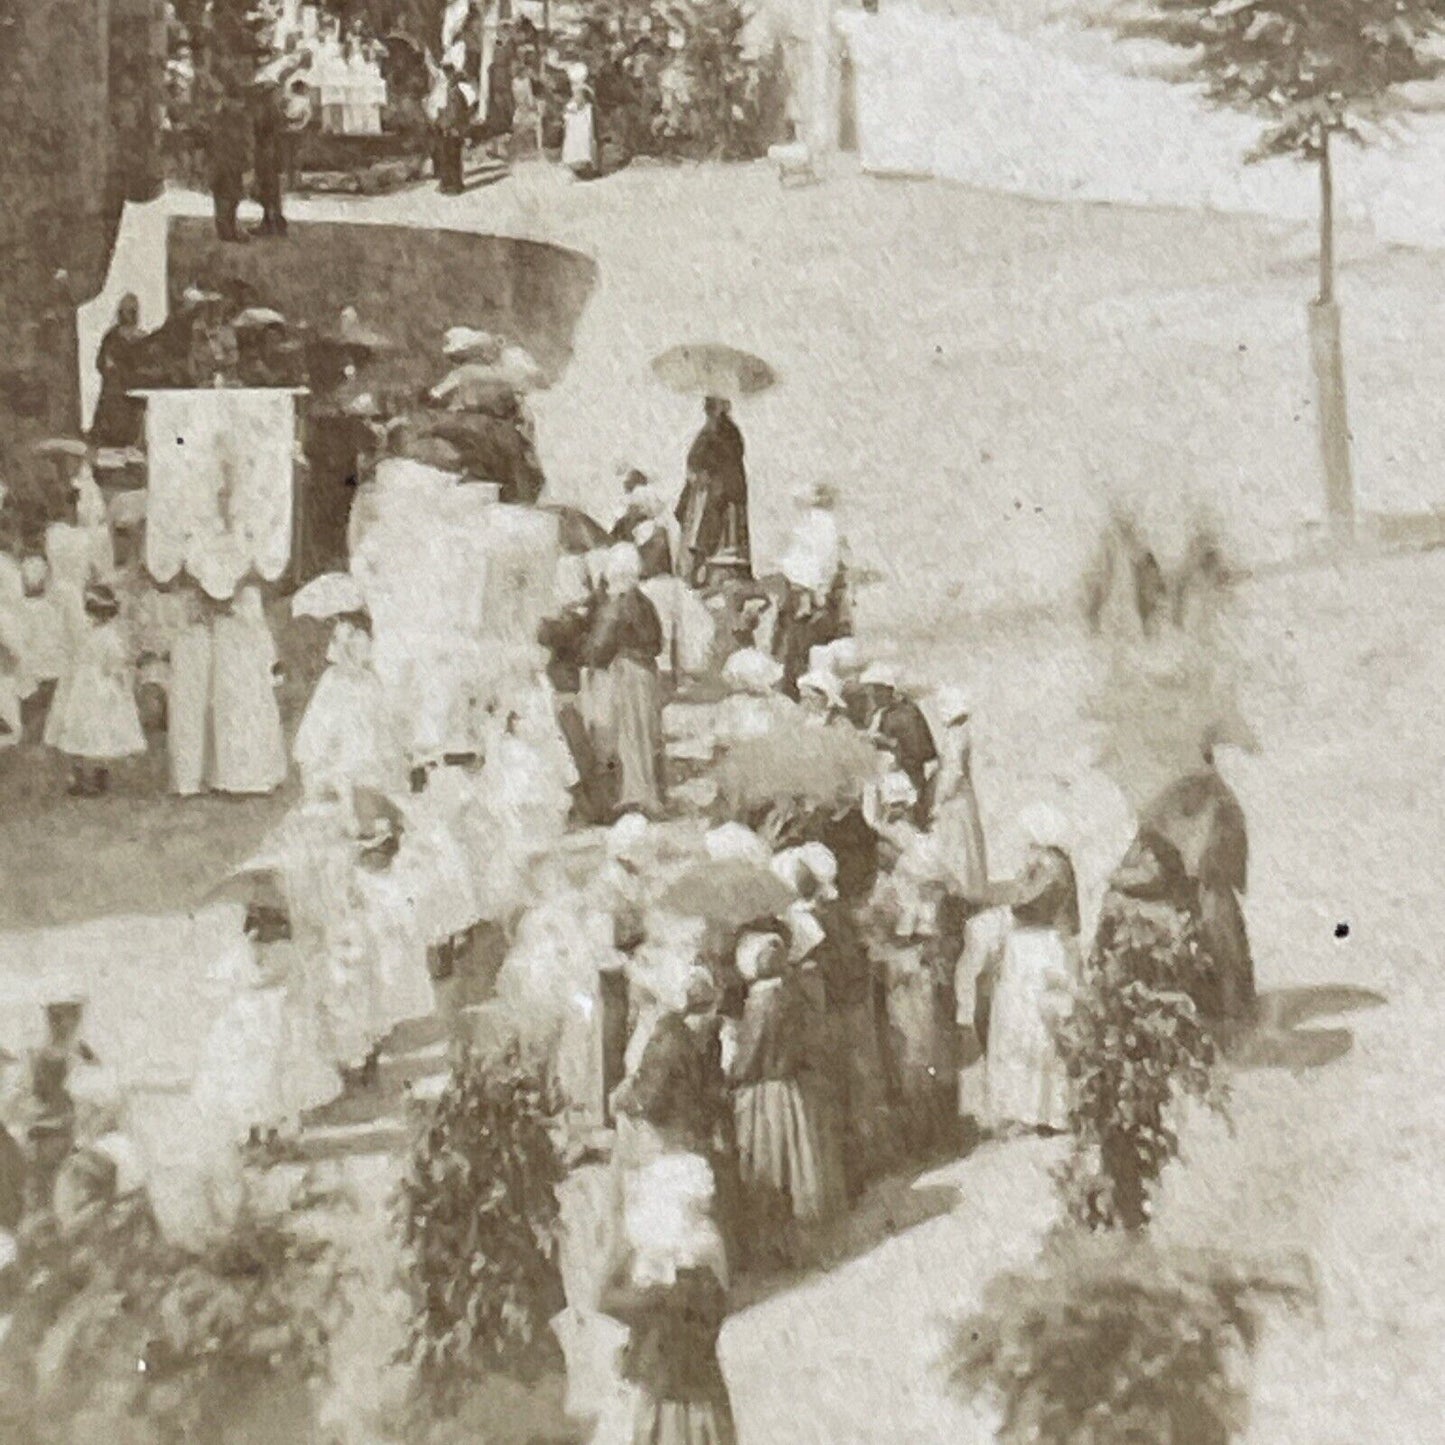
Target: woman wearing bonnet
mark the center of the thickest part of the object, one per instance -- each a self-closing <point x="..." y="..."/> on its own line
<point x="668" y="1285"/>
<point x="1036" y="965"/>
<point x="626" y="640"/>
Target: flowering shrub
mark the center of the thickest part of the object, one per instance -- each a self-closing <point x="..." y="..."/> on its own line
<point x="117" y="1331"/>
<point x="478" y="1210"/>
<point x="1112" y="1341"/>
<point x="1133" y="1044"/>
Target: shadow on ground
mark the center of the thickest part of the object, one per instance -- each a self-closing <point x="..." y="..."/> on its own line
<point x="890" y="1207"/>
<point x="1280" y="1040"/>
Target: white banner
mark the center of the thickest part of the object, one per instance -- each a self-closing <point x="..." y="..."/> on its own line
<point x="221" y="480"/>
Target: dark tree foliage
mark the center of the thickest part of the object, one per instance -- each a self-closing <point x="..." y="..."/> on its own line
<point x="479" y="1219"/>
<point x="1309" y="69"/>
<point x="675" y="78"/>
<point x="1109" y="1340"/>
<point x="1134" y="1043"/>
<point x="116" y="1328"/>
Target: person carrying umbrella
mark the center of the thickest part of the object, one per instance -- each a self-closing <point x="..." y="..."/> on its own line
<point x="713" y="509"/>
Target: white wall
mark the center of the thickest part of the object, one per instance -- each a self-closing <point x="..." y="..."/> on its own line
<point x="138" y="265"/>
<point x="965" y="100"/>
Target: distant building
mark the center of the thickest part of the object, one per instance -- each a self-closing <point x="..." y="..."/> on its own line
<point x="80" y="131"/>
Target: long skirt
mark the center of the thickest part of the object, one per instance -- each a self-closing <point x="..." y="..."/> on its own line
<point x="188" y="710"/>
<point x="637" y="716"/>
<point x="95" y="717"/>
<point x="862" y="1095"/>
<point x="782" y="1149"/>
<point x="711" y="525"/>
<point x="1226" y="941"/>
<point x="1027" y="1082"/>
<point x="249" y="746"/>
<point x="958" y="830"/>
<point x="636" y="1418"/>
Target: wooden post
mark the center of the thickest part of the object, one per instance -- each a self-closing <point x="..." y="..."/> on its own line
<point x="1327" y="353"/>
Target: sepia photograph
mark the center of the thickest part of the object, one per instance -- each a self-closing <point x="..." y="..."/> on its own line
<point x="722" y="722"/>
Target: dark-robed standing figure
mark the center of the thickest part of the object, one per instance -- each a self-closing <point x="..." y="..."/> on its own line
<point x="227" y="151"/>
<point x="713" y="509"/>
<point x="452" y="137"/>
<point x="1203" y="818"/>
<point x="271" y="141"/>
<point x="119" y="416"/>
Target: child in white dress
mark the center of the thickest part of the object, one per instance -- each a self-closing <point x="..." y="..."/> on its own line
<point x="95" y="719"/>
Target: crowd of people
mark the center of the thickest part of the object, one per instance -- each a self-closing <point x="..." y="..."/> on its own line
<point x="805" y="971"/>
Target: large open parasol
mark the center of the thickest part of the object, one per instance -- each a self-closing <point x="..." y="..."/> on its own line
<point x="709" y="369"/>
<point x="795" y="762"/>
<point x="729" y="894"/>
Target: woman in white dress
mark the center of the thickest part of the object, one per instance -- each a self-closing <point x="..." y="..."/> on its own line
<point x="78" y="553"/>
<point x="1027" y="1085"/>
<point x="250" y="747"/>
<point x="345" y="739"/>
<point x="580" y="152"/>
<point x="956" y="823"/>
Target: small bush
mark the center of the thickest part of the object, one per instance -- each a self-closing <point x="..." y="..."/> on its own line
<point x="114" y="1324"/>
<point x="1111" y="1341"/>
<point x="1133" y="1044"/>
<point x="479" y="1219"/>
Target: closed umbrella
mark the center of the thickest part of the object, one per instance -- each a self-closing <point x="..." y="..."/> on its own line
<point x="711" y="369"/>
<point x="257" y="318"/>
<point x="71" y="447"/>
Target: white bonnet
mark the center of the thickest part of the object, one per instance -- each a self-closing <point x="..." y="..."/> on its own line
<point x="821" y="864"/>
<point x="626" y="835"/>
<point x="897" y="791"/>
<point x="752" y="670"/>
<point x="624" y="565"/>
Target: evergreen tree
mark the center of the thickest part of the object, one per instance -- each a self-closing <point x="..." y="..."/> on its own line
<point x="1312" y="71"/>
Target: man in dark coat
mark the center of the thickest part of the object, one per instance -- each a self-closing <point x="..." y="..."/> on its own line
<point x="451" y="144"/>
<point x="270" y="140"/>
<point x="227" y="149"/>
<point x="713" y="509"/>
